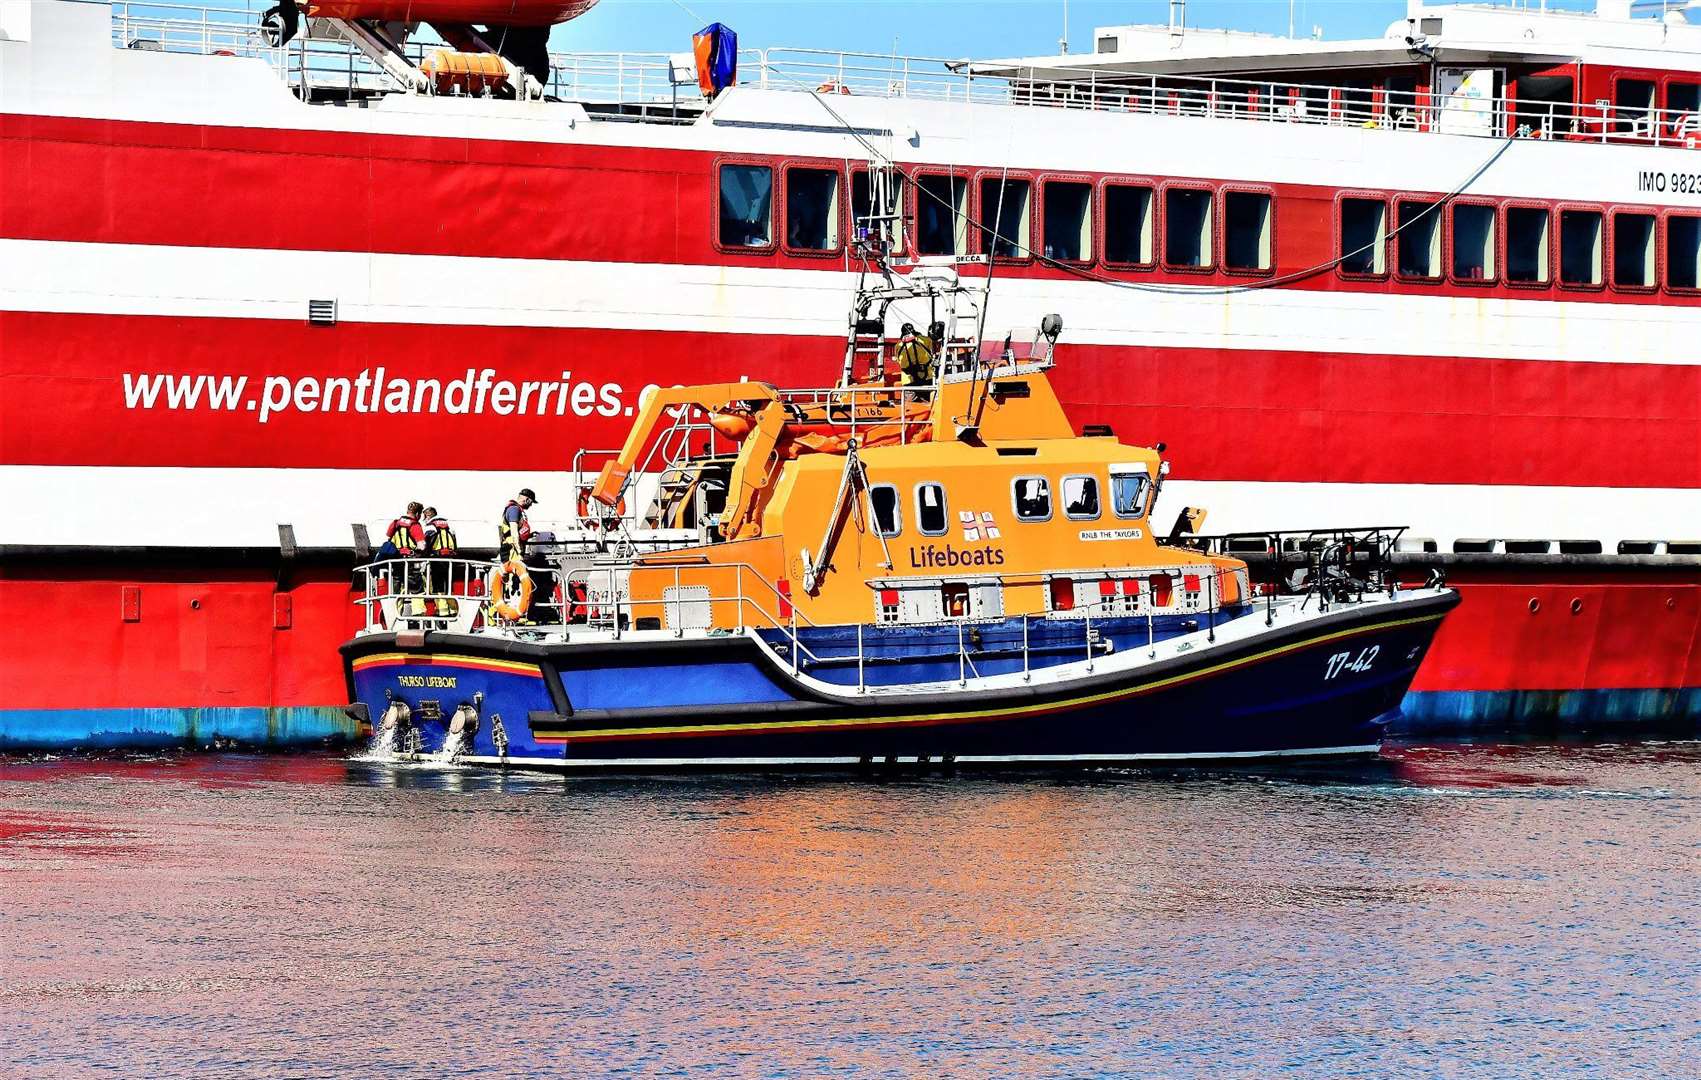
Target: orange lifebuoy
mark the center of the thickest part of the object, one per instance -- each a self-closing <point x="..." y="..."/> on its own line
<point x="500" y="605"/>
<point x="591" y="520"/>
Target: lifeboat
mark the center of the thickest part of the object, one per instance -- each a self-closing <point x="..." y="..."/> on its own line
<point x="936" y="574"/>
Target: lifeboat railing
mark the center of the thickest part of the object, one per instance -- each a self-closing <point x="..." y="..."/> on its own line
<point x="435" y="593"/>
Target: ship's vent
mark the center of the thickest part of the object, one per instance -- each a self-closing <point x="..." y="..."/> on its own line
<point x="322" y="312"/>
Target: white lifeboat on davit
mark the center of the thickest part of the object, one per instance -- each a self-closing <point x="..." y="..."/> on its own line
<point x="480" y="12"/>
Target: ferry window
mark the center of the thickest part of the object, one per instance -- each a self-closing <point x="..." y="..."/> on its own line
<point x="888" y="516"/>
<point x="1033" y="498"/>
<point x="1633" y="101"/>
<point x="1187" y="227"/>
<point x="1364" y="236"/>
<point x="1473" y="242"/>
<point x="1544" y="103"/>
<point x="1527" y="258"/>
<point x="1068" y="220"/>
<point x="930" y="516"/>
<point x="1357" y="101"/>
<point x="1004" y="218"/>
<point x="1580" y="247"/>
<point x="941" y="215"/>
<point x="747" y="206"/>
<point x="1128" y="225"/>
<point x="864" y="207"/>
<point x="812" y="209"/>
<point x="1246" y="230"/>
<point x="1683" y="100"/>
<point x="1081" y="496"/>
<point x="1128" y="494"/>
<point x="1420" y="239"/>
<point x="1633" y="250"/>
<point x="1683" y="252"/>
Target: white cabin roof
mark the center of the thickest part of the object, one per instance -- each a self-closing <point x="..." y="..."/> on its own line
<point x="1665" y="37"/>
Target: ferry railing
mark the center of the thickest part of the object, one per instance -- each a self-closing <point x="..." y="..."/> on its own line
<point x="645" y="80"/>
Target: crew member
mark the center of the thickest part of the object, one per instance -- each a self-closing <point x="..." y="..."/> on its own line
<point x="516" y="531"/>
<point x="439" y="537"/>
<point x="405" y="536"/>
<point x="915" y="357"/>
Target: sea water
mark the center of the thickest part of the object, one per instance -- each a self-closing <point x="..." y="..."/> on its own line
<point x="1493" y="911"/>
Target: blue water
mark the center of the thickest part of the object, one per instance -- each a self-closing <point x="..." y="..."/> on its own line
<point x="1487" y="911"/>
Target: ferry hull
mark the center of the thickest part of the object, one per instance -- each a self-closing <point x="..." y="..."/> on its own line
<point x="729" y="702"/>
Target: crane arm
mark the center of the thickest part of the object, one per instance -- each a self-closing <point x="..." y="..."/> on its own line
<point x="609" y="482"/>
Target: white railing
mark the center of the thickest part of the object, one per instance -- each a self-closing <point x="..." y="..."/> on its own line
<point x="653" y="85"/>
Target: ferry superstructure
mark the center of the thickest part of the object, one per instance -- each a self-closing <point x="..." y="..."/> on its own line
<point x="1447" y="276"/>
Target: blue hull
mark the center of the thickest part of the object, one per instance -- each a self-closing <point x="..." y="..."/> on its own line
<point x="663" y="703"/>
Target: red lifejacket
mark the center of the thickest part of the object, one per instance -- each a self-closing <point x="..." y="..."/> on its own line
<point x="400" y="534"/>
<point x="441" y="540"/>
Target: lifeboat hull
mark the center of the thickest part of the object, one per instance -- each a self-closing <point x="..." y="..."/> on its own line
<point x="1307" y="684"/>
<point x="480" y="12"/>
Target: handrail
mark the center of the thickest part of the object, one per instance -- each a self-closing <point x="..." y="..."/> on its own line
<point x="646" y="80"/>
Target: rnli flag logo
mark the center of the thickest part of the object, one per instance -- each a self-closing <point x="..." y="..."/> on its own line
<point x="986" y="523"/>
<point x="971" y="533"/>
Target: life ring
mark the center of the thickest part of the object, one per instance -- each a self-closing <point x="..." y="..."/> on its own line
<point x="594" y="519"/>
<point x="832" y="86"/>
<point x="500" y="606"/>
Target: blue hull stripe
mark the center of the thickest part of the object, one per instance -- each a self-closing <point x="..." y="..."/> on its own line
<point x="138" y="729"/>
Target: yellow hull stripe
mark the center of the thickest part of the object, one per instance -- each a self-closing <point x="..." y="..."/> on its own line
<point x="975" y="714"/>
<point x="392" y="659"/>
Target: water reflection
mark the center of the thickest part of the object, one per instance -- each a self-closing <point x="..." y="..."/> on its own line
<point x="1456" y="909"/>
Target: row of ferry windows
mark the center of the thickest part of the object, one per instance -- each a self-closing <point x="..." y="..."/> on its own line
<point x="1005" y="217"/>
<point x="1030" y="497"/>
<point x="1427" y="240"/>
<point x="1594" y="246"/>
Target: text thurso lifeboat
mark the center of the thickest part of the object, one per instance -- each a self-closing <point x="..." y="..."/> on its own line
<point x="482" y="12"/>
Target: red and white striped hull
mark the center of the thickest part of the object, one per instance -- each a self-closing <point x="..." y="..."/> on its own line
<point x="165" y="219"/>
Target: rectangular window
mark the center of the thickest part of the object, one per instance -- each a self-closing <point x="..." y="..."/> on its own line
<point x="1247" y="226"/>
<point x="1187" y="227"/>
<point x="747" y="206"/>
<point x="1580" y="247"/>
<point x="1364" y="237"/>
<point x="941" y="215"/>
<point x="1420" y="239"/>
<point x="1128" y="493"/>
<point x="883" y="200"/>
<point x="930" y="516"/>
<point x="1633" y="103"/>
<point x="888" y="514"/>
<point x="1473" y="242"/>
<point x="812" y="209"/>
<point x="1067" y="220"/>
<point x="1032" y="498"/>
<point x="1081" y="497"/>
<point x="1128" y="225"/>
<point x="1004" y="218"/>
<point x="1683" y="97"/>
<point x="1633" y="251"/>
<point x="1544" y="103"/>
<point x="1527" y="258"/>
<point x="1683" y="252"/>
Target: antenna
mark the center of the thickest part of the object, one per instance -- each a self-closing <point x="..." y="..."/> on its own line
<point x="1063" y="42"/>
